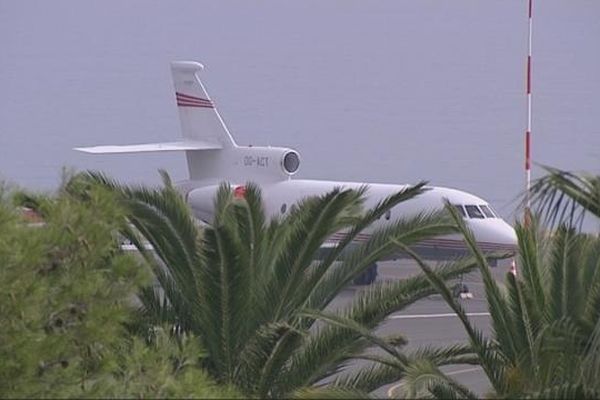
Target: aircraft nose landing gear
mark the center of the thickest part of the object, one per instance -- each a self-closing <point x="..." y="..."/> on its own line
<point x="461" y="291"/>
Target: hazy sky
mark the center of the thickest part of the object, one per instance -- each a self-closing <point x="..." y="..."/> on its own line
<point x="382" y="91"/>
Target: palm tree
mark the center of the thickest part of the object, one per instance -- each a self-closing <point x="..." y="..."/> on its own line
<point x="563" y="197"/>
<point x="253" y="289"/>
<point x="546" y="321"/>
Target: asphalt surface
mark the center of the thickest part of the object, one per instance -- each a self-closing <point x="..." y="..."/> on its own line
<point x="430" y="322"/>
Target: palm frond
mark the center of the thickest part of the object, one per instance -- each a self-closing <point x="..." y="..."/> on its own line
<point x="447" y="355"/>
<point x="410" y="230"/>
<point x="443" y="390"/>
<point x="591" y="310"/>
<point x="256" y="358"/>
<point x="253" y="292"/>
<point x="329" y="393"/>
<point x="562" y="197"/>
<point x="164" y="220"/>
<point x="269" y="380"/>
<point x="422" y="375"/>
<point x="154" y="309"/>
<point x="589" y="261"/>
<point x="481" y="346"/>
<point x="356" y="228"/>
<point x="566" y="391"/>
<point x="225" y="291"/>
<point x="386" y="370"/>
<point x="531" y="267"/>
<point x="372" y="377"/>
<point x="331" y="346"/>
<point x="497" y="305"/>
<point x="522" y="327"/>
<point x="162" y="217"/>
<point x="591" y="363"/>
<point x="351" y="325"/>
<point x="559" y="348"/>
<point x="319" y="219"/>
<point x="561" y="278"/>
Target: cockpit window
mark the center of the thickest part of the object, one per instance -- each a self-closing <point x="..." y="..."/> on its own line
<point x="493" y="211"/>
<point x="487" y="211"/>
<point x="460" y="210"/>
<point x="474" y="212"/>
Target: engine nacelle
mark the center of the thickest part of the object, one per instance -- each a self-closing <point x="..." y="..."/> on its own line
<point x="237" y="166"/>
<point x="243" y="164"/>
<point x="201" y="200"/>
<point x="268" y="161"/>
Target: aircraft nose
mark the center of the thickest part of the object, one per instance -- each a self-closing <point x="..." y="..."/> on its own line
<point x="506" y="235"/>
<point x="495" y="234"/>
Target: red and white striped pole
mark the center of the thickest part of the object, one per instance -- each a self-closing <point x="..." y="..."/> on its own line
<point x="528" y="131"/>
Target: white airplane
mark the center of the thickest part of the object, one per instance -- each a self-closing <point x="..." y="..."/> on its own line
<point x="214" y="157"/>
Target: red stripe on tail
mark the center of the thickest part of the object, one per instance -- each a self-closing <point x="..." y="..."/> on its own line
<point x="187" y="96"/>
<point x="185" y="100"/>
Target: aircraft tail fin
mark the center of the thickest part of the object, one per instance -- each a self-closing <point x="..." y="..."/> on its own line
<point x="208" y="145"/>
<point x="200" y="120"/>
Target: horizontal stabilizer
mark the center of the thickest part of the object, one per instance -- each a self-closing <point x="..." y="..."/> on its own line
<point x="151" y="147"/>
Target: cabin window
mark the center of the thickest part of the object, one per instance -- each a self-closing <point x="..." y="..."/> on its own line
<point x="474" y="212"/>
<point x="283" y="208"/>
<point x="388" y="215"/>
<point x="460" y="210"/>
<point x="486" y="211"/>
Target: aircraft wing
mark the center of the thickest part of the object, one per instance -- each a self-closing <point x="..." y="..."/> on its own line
<point x="151" y="147"/>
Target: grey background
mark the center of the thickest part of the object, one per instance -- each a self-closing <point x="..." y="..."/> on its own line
<point x="380" y="91"/>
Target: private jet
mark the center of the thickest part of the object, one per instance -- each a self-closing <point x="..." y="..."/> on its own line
<point x="213" y="157"/>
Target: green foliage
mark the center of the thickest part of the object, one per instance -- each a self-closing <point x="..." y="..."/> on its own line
<point x="66" y="295"/>
<point x="162" y="367"/>
<point x="546" y="321"/>
<point x="424" y="379"/>
<point x="253" y="289"/>
<point x="564" y="197"/>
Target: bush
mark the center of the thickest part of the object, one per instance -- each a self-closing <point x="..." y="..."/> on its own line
<point x="67" y="292"/>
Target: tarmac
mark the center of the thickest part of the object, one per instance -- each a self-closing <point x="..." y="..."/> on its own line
<point x="430" y="322"/>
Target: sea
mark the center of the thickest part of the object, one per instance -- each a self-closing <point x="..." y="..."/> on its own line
<point x="370" y="91"/>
